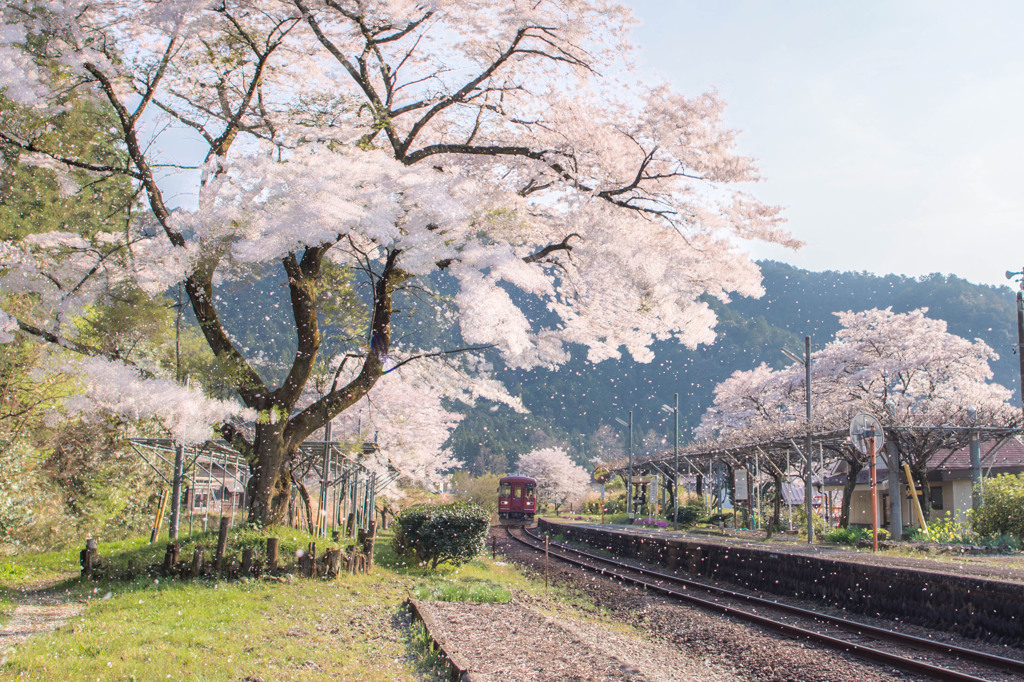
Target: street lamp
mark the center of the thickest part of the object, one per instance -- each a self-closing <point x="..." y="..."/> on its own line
<point x="675" y="449"/>
<point x="629" y="483"/>
<point x="1020" y="327"/>
<point x="808" y="493"/>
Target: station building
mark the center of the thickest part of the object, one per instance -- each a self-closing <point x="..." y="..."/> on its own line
<point x="949" y="482"/>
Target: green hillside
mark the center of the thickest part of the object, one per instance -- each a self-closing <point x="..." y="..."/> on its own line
<point x="569" y="405"/>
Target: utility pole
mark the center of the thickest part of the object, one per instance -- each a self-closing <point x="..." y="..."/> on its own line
<point x="808" y="457"/>
<point x="1020" y="338"/>
<point x="629" y="483"/>
<point x="1020" y="327"/>
<point x="975" y="450"/>
<point x="675" y="449"/>
<point x="809" y="492"/>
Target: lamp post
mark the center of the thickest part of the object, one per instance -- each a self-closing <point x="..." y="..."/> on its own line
<point x="808" y="492"/>
<point x="629" y="483"/>
<point x="1020" y="327"/>
<point x="675" y="467"/>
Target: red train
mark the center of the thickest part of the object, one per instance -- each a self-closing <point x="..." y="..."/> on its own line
<point x="517" y="500"/>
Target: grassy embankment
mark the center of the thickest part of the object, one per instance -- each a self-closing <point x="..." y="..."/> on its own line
<point x="150" y="628"/>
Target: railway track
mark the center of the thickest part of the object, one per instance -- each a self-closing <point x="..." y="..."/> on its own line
<point x="928" y="658"/>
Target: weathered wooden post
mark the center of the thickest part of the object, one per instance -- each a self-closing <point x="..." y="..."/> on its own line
<point x="272" y="558"/>
<point x="367" y="541"/>
<point x="222" y="542"/>
<point x="198" y="559"/>
<point x="351" y="524"/>
<point x="310" y="561"/>
<point x="171" y="557"/>
<point x="86" y="557"/>
<point x="333" y="562"/>
<point x="247" y="561"/>
<point x="494" y="547"/>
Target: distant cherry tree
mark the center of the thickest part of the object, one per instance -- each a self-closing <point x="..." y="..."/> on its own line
<point x="905" y="368"/>
<point x="559" y="479"/>
<point x="505" y="149"/>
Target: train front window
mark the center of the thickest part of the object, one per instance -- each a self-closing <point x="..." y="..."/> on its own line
<point x="529" y="489"/>
<point x="517" y="491"/>
<point x="505" y="489"/>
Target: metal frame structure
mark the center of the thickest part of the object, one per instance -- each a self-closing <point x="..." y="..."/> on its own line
<point x="347" y="486"/>
<point x="670" y="464"/>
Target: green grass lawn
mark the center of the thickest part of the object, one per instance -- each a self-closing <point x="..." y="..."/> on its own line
<point x="148" y="628"/>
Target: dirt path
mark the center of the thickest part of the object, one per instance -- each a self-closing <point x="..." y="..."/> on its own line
<point x="37" y="612"/>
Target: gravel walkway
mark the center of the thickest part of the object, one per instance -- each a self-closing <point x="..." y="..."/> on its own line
<point x="512" y="642"/>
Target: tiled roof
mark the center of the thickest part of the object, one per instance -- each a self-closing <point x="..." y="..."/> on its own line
<point x="946" y="465"/>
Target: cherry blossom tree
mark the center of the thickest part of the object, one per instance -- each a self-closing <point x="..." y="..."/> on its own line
<point x="906" y="368"/>
<point x="559" y="479"/>
<point x="505" y="148"/>
<point x="757" y="406"/>
<point x="912" y="373"/>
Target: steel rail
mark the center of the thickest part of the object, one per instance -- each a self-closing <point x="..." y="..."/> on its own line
<point x="1009" y="664"/>
<point x="934" y="672"/>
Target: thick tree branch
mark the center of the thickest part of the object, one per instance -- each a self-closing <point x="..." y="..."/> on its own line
<point x="340" y="399"/>
<point x="551" y="248"/>
<point x="63" y="342"/>
<point x="458" y="95"/>
<point x="137" y="156"/>
<point x="67" y="161"/>
<point x="302" y="281"/>
<point x="247" y="382"/>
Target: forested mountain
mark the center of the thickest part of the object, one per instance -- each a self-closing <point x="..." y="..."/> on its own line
<point x="577" y="405"/>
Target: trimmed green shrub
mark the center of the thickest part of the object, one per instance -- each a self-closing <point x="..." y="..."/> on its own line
<point x="852" y="536"/>
<point x="454" y="533"/>
<point x="689" y="514"/>
<point x="1002" y="512"/>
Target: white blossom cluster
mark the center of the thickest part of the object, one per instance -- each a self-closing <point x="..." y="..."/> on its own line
<point x="506" y="146"/>
<point x="559" y="479"/>
<point x="906" y="368"/>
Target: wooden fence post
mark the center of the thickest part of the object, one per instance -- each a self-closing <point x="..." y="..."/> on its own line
<point x="309" y="569"/>
<point x="222" y="543"/>
<point x="171" y="557"/>
<point x="272" y="558"/>
<point x="247" y="561"/>
<point x="333" y="562"/>
<point x="368" y="542"/>
<point x="198" y="559"/>
<point x="86" y="557"/>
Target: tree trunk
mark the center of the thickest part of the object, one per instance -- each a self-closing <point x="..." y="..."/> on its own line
<point x="921" y="480"/>
<point x="853" y="467"/>
<point x="776" y="506"/>
<point x="270" y="486"/>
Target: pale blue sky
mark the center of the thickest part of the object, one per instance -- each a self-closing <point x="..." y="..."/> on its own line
<point x="892" y="132"/>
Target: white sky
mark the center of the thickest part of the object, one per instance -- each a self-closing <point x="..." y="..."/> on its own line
<point x="891" y="131"/>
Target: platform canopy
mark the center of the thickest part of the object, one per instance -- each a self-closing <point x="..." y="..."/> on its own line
<point x="826" y="447"/>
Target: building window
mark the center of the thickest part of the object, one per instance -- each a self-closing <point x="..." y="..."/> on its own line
<point x="936" y="497"/>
